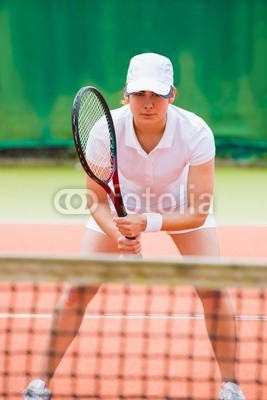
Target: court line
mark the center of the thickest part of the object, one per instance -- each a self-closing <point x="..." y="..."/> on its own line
<point x="244" y="317"/>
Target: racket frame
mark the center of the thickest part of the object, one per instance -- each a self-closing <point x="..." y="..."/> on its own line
<point x="115" y="196"/>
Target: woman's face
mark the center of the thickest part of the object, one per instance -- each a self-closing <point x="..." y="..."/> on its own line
<point x="148" y="107"/>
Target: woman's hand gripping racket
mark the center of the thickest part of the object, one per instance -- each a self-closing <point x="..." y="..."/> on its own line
<point x="95" y="142"/>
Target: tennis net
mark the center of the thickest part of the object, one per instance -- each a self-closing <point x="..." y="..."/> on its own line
<point x="143" y="335"/>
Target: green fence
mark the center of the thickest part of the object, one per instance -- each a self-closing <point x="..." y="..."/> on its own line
<point x="50" y="48"/>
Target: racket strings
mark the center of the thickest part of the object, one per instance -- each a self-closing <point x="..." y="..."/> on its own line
<point x="95" y="137"/>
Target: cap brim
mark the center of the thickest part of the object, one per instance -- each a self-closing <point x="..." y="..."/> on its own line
<point x="152" y="85"/>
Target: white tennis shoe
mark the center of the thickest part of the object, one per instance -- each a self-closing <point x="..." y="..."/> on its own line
<point x="37" y="390"/>
<point x="231" y="391"/>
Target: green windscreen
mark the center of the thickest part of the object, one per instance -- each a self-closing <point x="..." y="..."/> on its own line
<point x="49" y="49"/>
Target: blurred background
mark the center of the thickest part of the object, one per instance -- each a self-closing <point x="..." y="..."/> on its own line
<point x="49" y="49"/>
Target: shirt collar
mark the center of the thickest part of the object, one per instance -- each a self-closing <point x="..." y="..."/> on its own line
<point x="166" y="140"/>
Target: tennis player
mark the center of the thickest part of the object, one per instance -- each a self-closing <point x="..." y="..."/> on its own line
<point x="166" y="165"/>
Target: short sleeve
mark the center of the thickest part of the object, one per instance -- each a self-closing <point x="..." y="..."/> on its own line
<point x="201" y="146"/>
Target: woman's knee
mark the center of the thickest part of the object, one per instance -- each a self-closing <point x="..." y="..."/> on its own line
<point x="211" y="299"/>
<point x="216" y="301"/>
<point x="80" y="295"/>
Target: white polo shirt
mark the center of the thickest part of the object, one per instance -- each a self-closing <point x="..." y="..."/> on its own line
<point x="157" y="181"/>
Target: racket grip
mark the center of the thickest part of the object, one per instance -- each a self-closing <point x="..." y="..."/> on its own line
<point x="135" y="256"/>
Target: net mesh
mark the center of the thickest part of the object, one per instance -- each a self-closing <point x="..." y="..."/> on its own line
<point x="143" y="334"/>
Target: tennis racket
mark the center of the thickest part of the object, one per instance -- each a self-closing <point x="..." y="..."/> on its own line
<point x="95" y="142"/>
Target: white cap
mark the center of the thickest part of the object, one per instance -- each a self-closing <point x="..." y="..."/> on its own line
<point x="150" y="71"/>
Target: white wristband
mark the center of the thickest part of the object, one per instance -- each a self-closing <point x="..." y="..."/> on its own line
<point x="154" y="222"/>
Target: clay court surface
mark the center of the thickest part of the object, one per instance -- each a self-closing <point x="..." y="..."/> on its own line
<point x="237" y="241"/>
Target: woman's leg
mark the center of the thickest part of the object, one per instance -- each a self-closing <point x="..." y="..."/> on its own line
<point x="69" y="311"/>
<point x="217" y="306"/>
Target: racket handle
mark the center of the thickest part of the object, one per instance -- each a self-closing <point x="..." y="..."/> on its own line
<point x="136" y="256"/>
<point x="121" y="212"/>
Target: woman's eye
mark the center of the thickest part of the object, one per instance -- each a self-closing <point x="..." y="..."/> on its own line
<point x="143" y="94"/>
